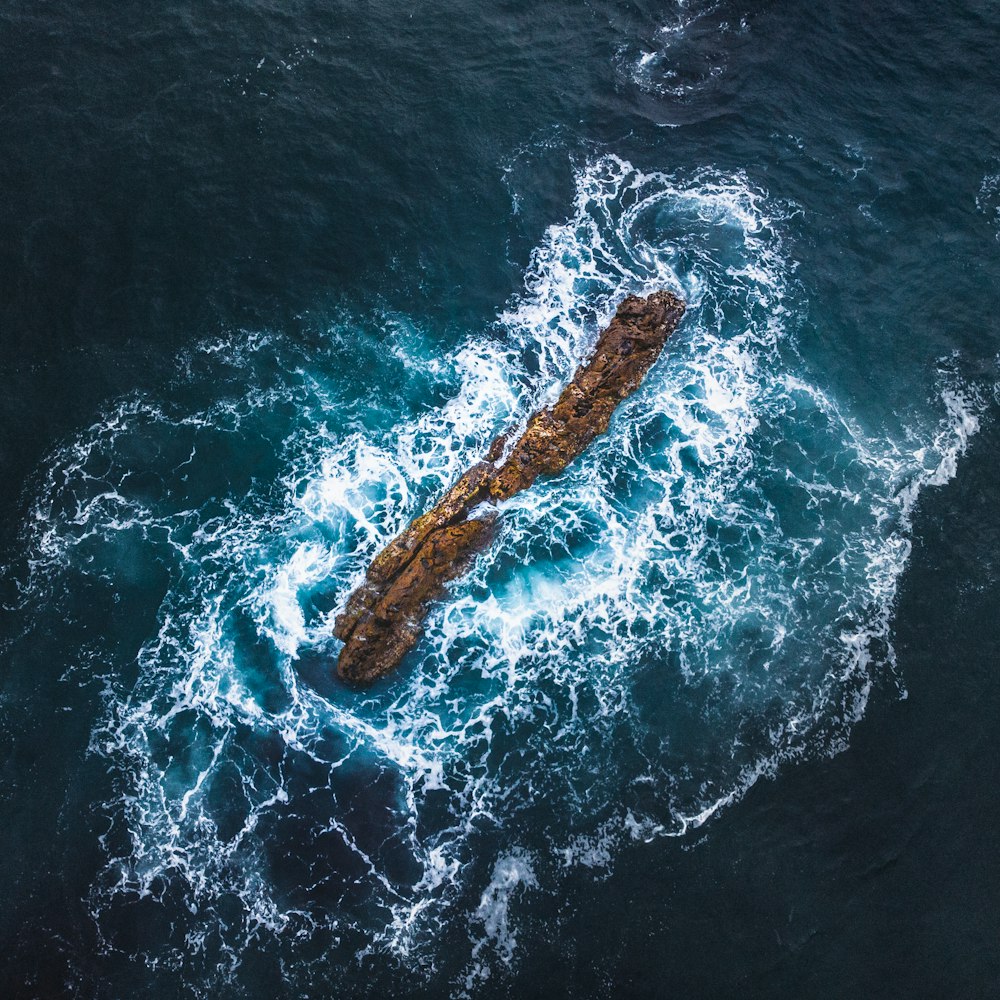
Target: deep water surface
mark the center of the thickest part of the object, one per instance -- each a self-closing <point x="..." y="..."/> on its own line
<point x="715" y="714"/>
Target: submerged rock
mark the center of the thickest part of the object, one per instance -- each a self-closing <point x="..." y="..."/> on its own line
<point x="384" y="617"/>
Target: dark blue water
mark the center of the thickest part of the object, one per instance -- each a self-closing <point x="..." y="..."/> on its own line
<point x="715" y="715"/>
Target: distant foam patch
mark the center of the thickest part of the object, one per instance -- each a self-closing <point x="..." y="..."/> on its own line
<point x="686" y="53"/>
<point x="706" y="594"/>
<point x="988" y="199"/>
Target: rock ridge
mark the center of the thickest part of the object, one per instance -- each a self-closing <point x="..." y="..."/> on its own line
<point x="383" y="617"/>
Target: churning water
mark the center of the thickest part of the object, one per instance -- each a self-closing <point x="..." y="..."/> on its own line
<point x="706" y="597"/>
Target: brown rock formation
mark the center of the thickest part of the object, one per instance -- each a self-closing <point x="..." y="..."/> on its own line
<point x="384" y="617"/>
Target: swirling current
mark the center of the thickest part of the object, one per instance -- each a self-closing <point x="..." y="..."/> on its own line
<point x="704" y="596"/>
<point x="704" y="602"/>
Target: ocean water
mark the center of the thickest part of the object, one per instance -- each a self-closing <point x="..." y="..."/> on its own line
<point x="715" y="714"/>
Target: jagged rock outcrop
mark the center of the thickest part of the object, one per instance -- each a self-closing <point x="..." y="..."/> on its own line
<point x="383" y="618"/>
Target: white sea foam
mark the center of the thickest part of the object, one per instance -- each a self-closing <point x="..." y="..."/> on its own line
<point x="512" y="875"/>
<point x="706" y="594"/>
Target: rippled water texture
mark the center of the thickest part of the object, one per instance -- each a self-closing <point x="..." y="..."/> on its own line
<point x="373" y="250"/>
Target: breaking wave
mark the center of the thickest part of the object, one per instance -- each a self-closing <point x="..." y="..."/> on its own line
<point x="706" y="594"/>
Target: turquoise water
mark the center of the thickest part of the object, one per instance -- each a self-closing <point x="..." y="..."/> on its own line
<point x="297" y="272"/>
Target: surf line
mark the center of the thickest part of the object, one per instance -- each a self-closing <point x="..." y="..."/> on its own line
<point x="383" y="618"/>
